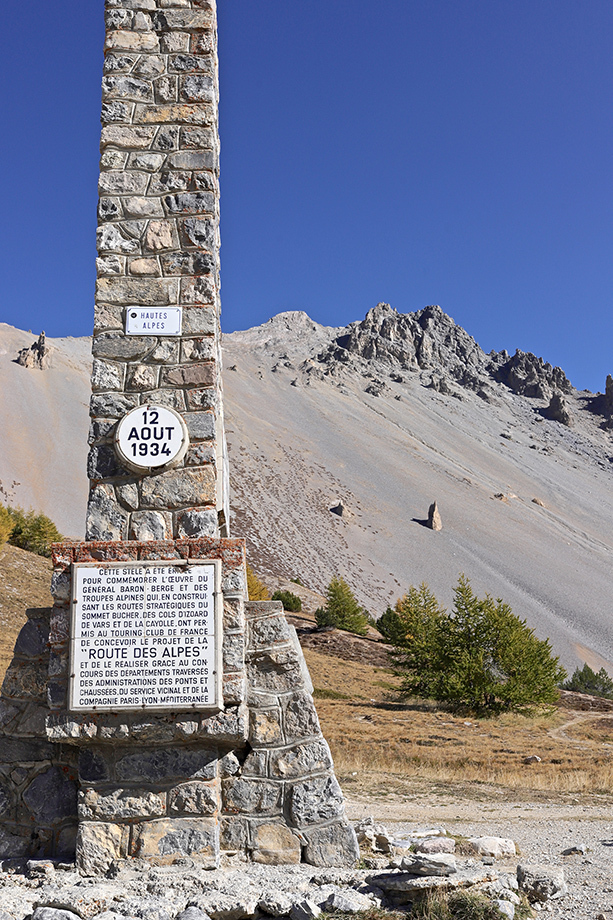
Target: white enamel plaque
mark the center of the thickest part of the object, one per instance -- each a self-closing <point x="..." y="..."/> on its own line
<point x="149" y="321"/>
<point x="145" y="636"/>
<point x="150" y="437"/>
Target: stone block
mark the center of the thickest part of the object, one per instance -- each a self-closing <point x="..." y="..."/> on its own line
<point x="187" y="263"/>
<point x="203" y="349"/>
<point x="335" y="845"/>
<point x="153" y="292"/>
<point x="160" y="235"/>
<point x="233" y="614"/>
<point x="13" y="844"/>
<point x="9" y="712"/>
<point x="94" y="766"/>
<point x="99" y="844"/>
<point x="184" y="20"/>
<point x="301" y="760"/>
<point x="191" y="375"/>
<point x="166" y="764"/>
<point x="199" y="291"/>
<point x="151" y="162"/>
<point x="25" y="681"/>
<point x="267" y="632"/>
<point x="32" y="641"/>
<point x="103" y="463"/>
<point x="200" y="425"/>
<point x="67" y="842"/>
<point x="201" y="453"/>
<point x="150" y="525"/>
<point x="109" y="238"/>
<point x="178" y="488"/>
<point x="122" y="182"/>
<point x="275" y="670"/>
<point x="171" y="42"/>
<point x="315" y="800"/>
<point x="59" y="628"/>
<point x="109" y="209"/>
<point x="198" y="113"/>
<point x="195" y="798"/>
<point x="168" y="181"/>
<point x="106" y="520"/>
<point x="300" y="717"/>
<point x="133" y="138"/>
<point x="198" y="88"/>
<point x="142" y="376"/>
<point x="234" y="688"/>
<point x="107" y="376"/>
<point x="120" y="86"/>
<point x="256" y="764"/>
<point x="275" y="845"/>
<point x="138" y="207"/>
<point x="167" y="138"/>
<point x="229" y="726"/>
<point x="116" y="112"/>
<point x="191" y="63"/>
<point x="132" y="41"/>
<point x="107" y="317"/>
<point x="233" y="652"/>
<point x="112" y="405"/>
<point x="233" y="834"/>
<point x="120" y="804"/>
<point x="196" y="522"/>
<point x="251" y="796"/>
<point x="51" y="797"/>
<point x="197" y="138"/>
<point x="166" y="90"/>
<point x="191" y="203"/>
<point x="265" y="727"/>
<point x="165" y="840"/>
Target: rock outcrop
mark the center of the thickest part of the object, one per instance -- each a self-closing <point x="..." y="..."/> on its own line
<point x="36" y="356"/>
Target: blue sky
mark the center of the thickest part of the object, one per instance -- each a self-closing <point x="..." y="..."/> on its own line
<point x="413" y="151"/>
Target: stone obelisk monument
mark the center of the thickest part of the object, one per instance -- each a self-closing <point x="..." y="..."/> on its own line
<point x="154" y="712"/>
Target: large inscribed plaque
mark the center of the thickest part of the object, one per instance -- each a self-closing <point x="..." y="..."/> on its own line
<point x="145" y="635"/>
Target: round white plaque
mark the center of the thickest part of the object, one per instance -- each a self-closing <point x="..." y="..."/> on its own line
<point x="151" y="437"/>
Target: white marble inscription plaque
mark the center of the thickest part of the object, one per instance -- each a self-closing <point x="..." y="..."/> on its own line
<point x="144" y="636"/>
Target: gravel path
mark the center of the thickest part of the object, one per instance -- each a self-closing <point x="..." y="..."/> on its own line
<point x="541" y="832"/>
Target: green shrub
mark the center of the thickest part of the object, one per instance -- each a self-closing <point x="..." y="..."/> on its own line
<point x="389" y="625"/>
<point x="584" y="680"/>
<point x="481" y="656"/>
<point x="342" y="609"/>
<point x="33" y="532"/>
<point x="6" y="525"/>
<point x="290" y="601"/>
<point x="297" y="581"/>
<point x="456" y="905"/>
<point x="256" y="590"/>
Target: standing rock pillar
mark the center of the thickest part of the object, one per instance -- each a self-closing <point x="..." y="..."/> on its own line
<point x="154" y="712"/>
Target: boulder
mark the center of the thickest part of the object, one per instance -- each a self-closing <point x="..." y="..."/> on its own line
<point x="541" y="883"/>
<point x="497" y="847"/>
<point x="434" y="517"/>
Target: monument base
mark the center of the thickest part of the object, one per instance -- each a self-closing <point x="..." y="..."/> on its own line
<point x="253" y="775"/>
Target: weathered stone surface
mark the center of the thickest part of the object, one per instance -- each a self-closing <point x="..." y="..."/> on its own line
<point x="305" y="909"/>
<point x="190" y="375"/>
<point x="498" y="847"/>
<point x="315" y="800"/>
<point x="33" y="638"/>
<point x="150" y="525"/>
<point x="132" y="41"/>
<point x="202" y="349"/>
<point x="219" y="905"/>
<point x="300" y="717"/>
<point x="436" y="845"/>
<point x="178" y="488"/>
<point x="275" y="670"/>
<point x="107" y="376"/>
<point x="275" y="844"/>
<point x="434" y="517"/>
<point x="164" y="840"/>
<point x="51" y="796"/>
<point x="200" y="425"/>
<point x="13" y="844"/>
<point x="160" y="235"/>
<point x="268" y="631"/>
<point x="233" y="833"/>
<point x="541" y="883"/>
<point x="195" y="798"/>
<point x="197" y="523"/>
<point x="233" y="652"/>
<point x="112" y="405"/>
<point x="133" y="138"/>
<point x="25" y="681"/>
<point x="437" y="864"/>
<point x="335" y="845"/>
<point x="251" y="796"/>
<point x="99" y="844"/>
<point x="110" y="239"/>
<point x="166" y="764"/>
<point x="106" y="519"/>
<point x="54" y="913"/>
<point x="120" y="804"/>
<point x="265" y="727"/>
<point x="348" y="902"/>
<point x="191" y="203"/>
<point x="155" y="292"/>
<point x="301" y="760"/>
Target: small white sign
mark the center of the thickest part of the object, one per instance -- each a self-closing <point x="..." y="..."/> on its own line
<point x="150" y="321"/>
<point x="150" y="437"/>
<point x="145" y="635"/>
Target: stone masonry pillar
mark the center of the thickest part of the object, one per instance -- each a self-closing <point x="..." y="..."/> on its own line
<point x="158" y="244"/>
<point x="109" y="748"/>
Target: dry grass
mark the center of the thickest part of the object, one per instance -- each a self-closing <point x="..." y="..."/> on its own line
<point x="380" y="743"/>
